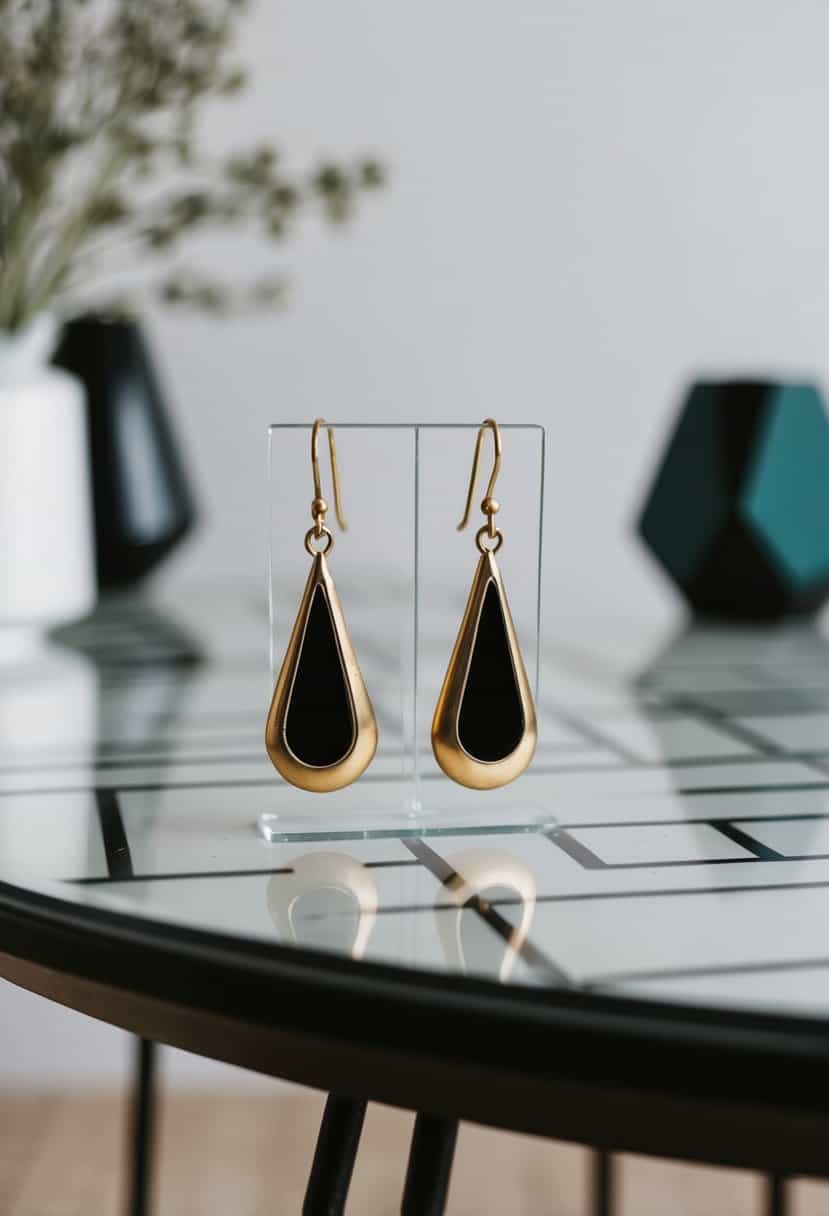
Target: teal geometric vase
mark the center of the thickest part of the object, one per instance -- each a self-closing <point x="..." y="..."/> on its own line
<point x="738" y="513"/>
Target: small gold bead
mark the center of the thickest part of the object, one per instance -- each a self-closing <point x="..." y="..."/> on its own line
<point x="318" y="507"/>
<point x="490" y="506"/>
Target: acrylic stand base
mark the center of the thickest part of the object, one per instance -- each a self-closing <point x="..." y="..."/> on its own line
<point x="285" y="828"/>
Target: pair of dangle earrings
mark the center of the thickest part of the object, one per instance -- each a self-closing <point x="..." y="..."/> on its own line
<point x="321" y="732"/>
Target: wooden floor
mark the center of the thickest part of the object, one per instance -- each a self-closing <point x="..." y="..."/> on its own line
<point x="232" y="1154"/>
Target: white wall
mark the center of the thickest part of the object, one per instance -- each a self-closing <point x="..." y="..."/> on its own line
<point x="590" y="202"/>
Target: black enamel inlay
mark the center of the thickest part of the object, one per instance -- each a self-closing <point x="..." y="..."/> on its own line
<point x="491" y="720"/>
<point x="319" y="723"/>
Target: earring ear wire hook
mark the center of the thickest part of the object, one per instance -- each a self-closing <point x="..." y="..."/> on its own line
<point x="488" y="506"/>
<point x="319" y="507"/>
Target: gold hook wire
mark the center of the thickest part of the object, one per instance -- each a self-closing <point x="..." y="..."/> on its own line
<point x="488" y="501"/>
<point x="319" y="506"/>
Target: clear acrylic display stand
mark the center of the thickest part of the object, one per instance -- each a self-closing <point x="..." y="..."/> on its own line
<point x="403" y="573"/>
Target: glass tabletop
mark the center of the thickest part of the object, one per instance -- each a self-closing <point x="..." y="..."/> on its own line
<point x="683" y="853"/>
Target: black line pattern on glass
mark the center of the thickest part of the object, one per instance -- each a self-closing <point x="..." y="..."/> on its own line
<point x="588" y="860"/>
<point x="722" y="722"/>
<point x="761" y="851"/>
<point x="686" y="821"/>
<point x="598" y="896"/>
<point x="597" y="738"/>
<point x="719" y="719"/>
<point x="187" y="875"/>
<point x="113" y="832"/>
<point x="568" y="844"/>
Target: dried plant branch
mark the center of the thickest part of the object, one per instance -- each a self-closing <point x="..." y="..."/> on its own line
<point x="99" y="103"/>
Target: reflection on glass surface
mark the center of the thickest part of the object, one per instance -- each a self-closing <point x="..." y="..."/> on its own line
<point x="147" y="662"/>
<point x="743" y="670"/>
<point x="763" y="695"/>
<point x="48" y="710"/>
<point x="481" y="878"/>
<point x="135" y="634"/>
<point x="48" y="703"/>
<point x="329" y="901"/>
<point x="79" y="715"/>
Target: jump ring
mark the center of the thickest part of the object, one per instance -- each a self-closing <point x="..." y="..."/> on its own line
<point x="484" y="531"/>
<point x="311" y="534"/>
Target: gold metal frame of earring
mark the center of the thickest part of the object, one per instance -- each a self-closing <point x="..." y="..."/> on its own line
<point x="454" y="758"/>
<point x="346" y="768"/>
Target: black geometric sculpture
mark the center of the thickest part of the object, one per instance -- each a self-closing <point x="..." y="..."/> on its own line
<point x="738" y="514"/>
<point x="141" y="497"/>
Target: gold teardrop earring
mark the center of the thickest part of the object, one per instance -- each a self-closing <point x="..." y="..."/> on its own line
<point x="484" y="729"/>
<point x="321" y="733"/>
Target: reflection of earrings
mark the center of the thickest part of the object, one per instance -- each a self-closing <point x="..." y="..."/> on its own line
<point x="321" y="733"/>
<point x="484" y="728"/>
<point x="480" y="876"/>
<point x="329" y="901"/>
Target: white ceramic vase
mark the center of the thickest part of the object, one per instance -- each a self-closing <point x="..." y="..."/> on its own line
<point x="47" y="572"/>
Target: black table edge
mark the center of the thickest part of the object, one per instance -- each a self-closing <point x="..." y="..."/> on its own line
<point x="737" y="1088"/>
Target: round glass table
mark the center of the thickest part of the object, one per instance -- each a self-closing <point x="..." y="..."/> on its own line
<point x="635" y="963"/>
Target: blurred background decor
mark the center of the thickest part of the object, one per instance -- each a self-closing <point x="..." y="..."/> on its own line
<point x="46" y="571"/>
<point x="142" y="500"/>
<point x="738" y="513"/>
<point x="103" y="176"/>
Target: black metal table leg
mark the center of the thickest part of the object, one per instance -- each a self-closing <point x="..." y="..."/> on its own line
<point x="776" y="1195"/>
<point x="142" y="1127"/>
<point x="604" y="1183"/>
<point x="430" y="1166"/>
<point x="334" y="1157"/>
